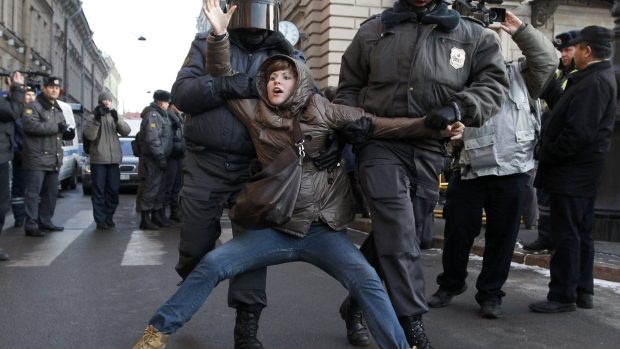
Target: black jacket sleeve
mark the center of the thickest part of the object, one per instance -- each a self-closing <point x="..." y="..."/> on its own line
<point x="12" y="107"/>
<point x="193" y="91"/>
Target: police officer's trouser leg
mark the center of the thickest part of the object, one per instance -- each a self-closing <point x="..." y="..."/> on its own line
<point x="200" y="230"/>
<point x="4" y="192"/>
<point x="386" y="184"/>
<point x="49" y="194"/>
<point x="152" y="184"/>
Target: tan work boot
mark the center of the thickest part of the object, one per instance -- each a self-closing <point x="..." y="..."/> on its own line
<point x="152" y="339"/>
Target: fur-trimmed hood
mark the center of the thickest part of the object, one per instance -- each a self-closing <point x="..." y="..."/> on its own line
<point x="303" y="90"/>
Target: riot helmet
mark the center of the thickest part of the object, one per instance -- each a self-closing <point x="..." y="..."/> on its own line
<point x="257" y="14"/>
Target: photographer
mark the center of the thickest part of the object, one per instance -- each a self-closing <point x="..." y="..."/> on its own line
<point x="11" y="108"/>
<point x="44" y="130"/>
<point x="492" y="175"/>
<point x="102" y="129"/>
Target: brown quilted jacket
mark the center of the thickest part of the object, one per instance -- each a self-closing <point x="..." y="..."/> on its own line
<point x="324" y="196"/>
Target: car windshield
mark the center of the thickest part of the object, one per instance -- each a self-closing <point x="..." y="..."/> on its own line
<point x="126" y="147"/>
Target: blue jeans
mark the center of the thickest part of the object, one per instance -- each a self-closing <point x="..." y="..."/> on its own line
<point x="323" y="247"/>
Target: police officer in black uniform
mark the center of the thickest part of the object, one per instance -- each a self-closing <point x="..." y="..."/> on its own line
<point x="155" y="147"/>
<point x="44" y="130"/>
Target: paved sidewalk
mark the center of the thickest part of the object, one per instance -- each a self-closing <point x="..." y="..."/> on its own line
<point x="606" y="259"/>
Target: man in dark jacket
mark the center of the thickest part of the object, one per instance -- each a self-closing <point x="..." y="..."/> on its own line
<point x="219" y="149"/>
<point x="155" y="149"/>
<point x="44" y="130"/>
<point x="575" y="140"/>
<point x="418" y="58"/>
<point x="102" y="130"/>
<point x="11" y="108"/>
<point x="566" y="67"/>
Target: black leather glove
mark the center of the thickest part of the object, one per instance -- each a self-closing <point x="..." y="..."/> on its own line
<point x="163" y="164"/>
<point x="97" y="115"/>
<point x="239" y="85"/>
<point x="68" y="134"/>
<point x="330" y="157"/>
<point x="358" y="131"/>
<point x="114" y="114"/>
<point x="62" y="127"/>
<point x="440" y="118"/>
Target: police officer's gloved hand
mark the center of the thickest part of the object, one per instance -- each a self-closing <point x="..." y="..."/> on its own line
<point x="330" y="157"/>
<point x="62" y="127"/>
<point x="68" y="134"/>
<point x="440" y="118"/>
<point x="163" y="164"/>
<point x="239" y="85"/>
<point x="358" y="131"/>
<point x="114" y="114"/>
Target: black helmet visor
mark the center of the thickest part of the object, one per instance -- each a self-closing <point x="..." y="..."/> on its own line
<point x="259" y="14"/>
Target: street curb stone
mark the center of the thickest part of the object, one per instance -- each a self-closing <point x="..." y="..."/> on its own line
<point x="603" y="271"/>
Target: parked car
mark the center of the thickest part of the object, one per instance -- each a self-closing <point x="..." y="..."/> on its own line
<point x="81" y="160"/>
<point x="68" y="172"/>
<point x="128" y="167"/>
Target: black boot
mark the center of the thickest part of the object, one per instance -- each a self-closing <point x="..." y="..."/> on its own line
<point x="158" y="219"/>
<point x="246" y="329"/>
<point x="146" y="223"/>
<point x="357" y="333"/>
<point x="174" y="213"/>
<point x="164" y="217"/>
<point x="414" y="331"/>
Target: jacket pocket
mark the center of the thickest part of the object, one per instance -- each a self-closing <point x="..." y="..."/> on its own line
<point x="481" y="151"/>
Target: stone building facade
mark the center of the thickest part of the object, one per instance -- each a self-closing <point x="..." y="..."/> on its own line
<point x="53" y="37"/>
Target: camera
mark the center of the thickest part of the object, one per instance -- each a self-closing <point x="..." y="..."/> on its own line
<point x="477" y="10"/>
<point x="31" y="77"/>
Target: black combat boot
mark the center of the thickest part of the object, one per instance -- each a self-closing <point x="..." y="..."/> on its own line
<point x="158" y="217"/>
<point x="146" y="223"/>
<point x="164" y="216"/>
<point x="357" y="333"/>
<point x="174" y="213"/>
<point x="246" y="329"/>
<point x="414" y="331"/>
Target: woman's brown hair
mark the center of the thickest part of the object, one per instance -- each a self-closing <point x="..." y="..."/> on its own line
<point x="279" y="64"/>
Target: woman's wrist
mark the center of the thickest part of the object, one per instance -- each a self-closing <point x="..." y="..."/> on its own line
<point x="218" y="36"/>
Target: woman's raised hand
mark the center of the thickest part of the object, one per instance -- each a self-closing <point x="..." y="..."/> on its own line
<point x="218" y="19"/>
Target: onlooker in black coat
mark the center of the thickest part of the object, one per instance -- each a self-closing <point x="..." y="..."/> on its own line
<point x="575" y="140"/>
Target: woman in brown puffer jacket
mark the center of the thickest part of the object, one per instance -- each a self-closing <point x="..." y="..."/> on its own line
<point x="316" y="231"/>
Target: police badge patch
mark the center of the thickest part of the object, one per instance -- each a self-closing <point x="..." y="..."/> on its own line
<point x="457" y="58"/>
